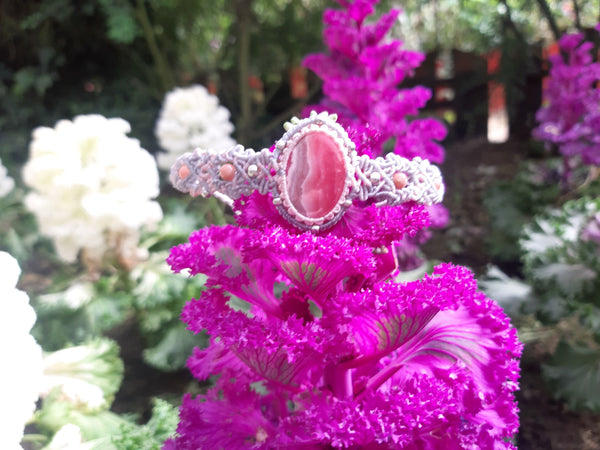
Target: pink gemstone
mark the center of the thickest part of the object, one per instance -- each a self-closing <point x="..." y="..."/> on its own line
<point x="227" y="172"/>
<point x="183" y="172"/>
<point x="315" y="175"/>
<point x="400" y="180"/>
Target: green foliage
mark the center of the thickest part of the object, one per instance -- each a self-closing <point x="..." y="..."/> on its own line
<point x="56" y="412"/>
<point x="18" y="228"/>
<point x="563" y="267"/>
<point x="60" y="324"/>
<point x="159" y="296"/>
<point x="102" y="429"/>
<point x="120" y="21"/>
<point x="78" y="309"/>
<point x="119" y="57"/>
<point x="56" y="11"/>
<point x="574" y="375"/>
<point x="478" y="25"/>
<point x="96" y="363"/>
<point x="151" y="436"/>
<point x="510" y="293"/>
<point x="512" y="203"/>
<point x="83" y="370"/>
<point x="469" y="25"/>
<point x="59" y="59"/>
<point x="277" y="51"/>
<point x="175" y="348"/>
<point x="32" y="78"/>
<point x="180" y="218"/>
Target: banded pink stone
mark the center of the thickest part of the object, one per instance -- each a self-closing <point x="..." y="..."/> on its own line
<point x="315" y="174"/>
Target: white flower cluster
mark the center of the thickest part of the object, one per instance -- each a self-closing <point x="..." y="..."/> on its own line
<point x="6" y="183"/>
<point x="68" y="438"/>
<point x="21" y="375"/>
<point x="191" y="117"/>
<point x="78" y="294"/>
<point x="93" y="187"/>
<point x="86" y="375"/>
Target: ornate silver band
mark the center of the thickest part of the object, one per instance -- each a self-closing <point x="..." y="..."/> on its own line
<point x="313" y="173"/>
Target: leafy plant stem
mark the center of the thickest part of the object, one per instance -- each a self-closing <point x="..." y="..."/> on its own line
<point x="218" y="215"/>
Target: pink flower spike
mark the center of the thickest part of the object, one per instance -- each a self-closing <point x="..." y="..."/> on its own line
<point x="570" y="116"/>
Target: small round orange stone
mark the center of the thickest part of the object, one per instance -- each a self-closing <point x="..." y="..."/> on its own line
<point x="183" y="172"/>
<point x="227" y="172"/>
<point x="400" y="180"/>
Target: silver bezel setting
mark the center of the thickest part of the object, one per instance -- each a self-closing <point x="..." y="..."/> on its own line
<point x="285" y="148"/>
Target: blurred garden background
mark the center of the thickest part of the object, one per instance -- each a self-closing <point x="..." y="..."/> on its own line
<point x="99" y="97"/>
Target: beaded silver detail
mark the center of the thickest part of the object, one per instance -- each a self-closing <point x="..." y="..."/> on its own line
<point x="229" y="174"/>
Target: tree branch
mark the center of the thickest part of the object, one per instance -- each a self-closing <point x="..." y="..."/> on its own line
<point x="547" y="13"/>
<point x="577" y="15"/>
<point x="509" y="22"/>
<point x="162" y="68"/>
<point x="243" y="12"/>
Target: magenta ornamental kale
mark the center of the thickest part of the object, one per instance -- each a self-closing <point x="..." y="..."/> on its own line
<point x="316" y="346"/>
<point x="361" y="73"/>
<point x="570" y="119"/>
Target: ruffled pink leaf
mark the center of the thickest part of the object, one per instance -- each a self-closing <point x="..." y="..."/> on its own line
<point x="218" y="253"/>
<point x="235" y="423"/>
<point x="390" y="315"/>
<point x="213" y="360"/>
<point x="275" y="366"/>
<point x="278" y="350"/>
<point x="314" y="264"/>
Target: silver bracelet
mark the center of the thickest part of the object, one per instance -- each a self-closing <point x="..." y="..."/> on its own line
<point x="313" y="173"/>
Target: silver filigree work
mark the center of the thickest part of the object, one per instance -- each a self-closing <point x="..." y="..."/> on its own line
<point x="229" y="174"/>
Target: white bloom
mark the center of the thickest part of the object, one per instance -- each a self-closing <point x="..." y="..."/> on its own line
<point x="76" y="295"/>
<point x="87" y="375"/>
<point x="20" y="377"/>
<point x="76" y="391"/>
<point x="191" y="117"/>
<point x="68" y="438"/>
<point x="6" y="183"/>
<point x="92" y="186"/>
